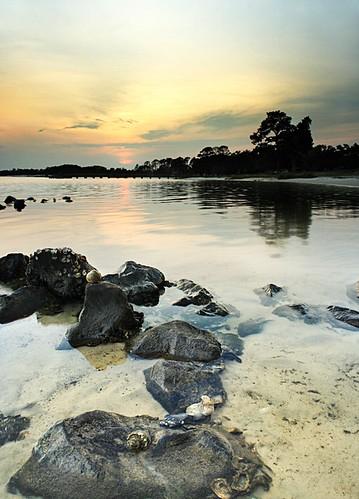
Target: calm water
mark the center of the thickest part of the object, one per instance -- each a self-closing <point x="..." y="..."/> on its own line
<point x="230" y="236"/>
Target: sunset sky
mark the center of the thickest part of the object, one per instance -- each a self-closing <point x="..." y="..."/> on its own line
<point x="115" y="82"/>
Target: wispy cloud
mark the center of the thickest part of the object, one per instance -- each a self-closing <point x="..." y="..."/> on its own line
<point x="211" y="122"/>
<point x="90" y="125"/>
<point x="158" y="134"/>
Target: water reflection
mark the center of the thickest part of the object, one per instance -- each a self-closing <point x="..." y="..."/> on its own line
<point x="273" y="210"/>
<point x="277" y="211"/>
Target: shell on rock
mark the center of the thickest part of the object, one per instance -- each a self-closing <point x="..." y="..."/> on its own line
<point x="201" y="409"/>
<point x="93" y="277"/>
<point x="138" y="440"/>
<point x="221" y="488"/>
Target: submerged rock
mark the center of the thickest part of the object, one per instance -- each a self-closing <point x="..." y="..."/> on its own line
<point x="60" y="270"/>
<point x="88" y="457"/>
<point x="177" y="340"/>
<point x="11" y="428"/>
<point x="252" y="326"/>
<point x="141" y="283"/>
<point x="342" y="314"/>
<point x="301" y="311"/>
<point x="195" y="294"/>
<point x="13" y="266"/>
<point x="176" y="385"/>
<point x="24" y="302"/>
<point x="2" y="207"/>
<point x="106" y="317"/>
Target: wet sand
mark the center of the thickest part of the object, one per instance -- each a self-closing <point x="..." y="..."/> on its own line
<point x="300" y="409"/>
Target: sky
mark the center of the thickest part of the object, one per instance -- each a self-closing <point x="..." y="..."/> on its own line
<point x="117" y="82"/>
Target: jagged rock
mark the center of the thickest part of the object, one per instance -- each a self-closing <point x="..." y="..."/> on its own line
<point x="106" y="317"/>
<point x="2" y="207"/>
<point x="11" y="428"/>
<point x="24" y="302"/>
<point x="13" y="266"/>
<point x="213" y="308"/>
<point x="299" y="311"/>
<point x="88" y="457"/>
<point x="60" y="270"/>
<point x="31" y="199"/>
<point x="346" y="315"/>
<point x="195" y="294"/>
<point x="141" y="283"/>
<point x="176" y="385"/>
<point x="271" y="289"/>
<point x="177" y="340"/>
<point x="9" y="199"/>
<point x="19" y="204"/>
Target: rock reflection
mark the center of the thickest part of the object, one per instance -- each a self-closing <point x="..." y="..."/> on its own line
<point x="103" y="356"/>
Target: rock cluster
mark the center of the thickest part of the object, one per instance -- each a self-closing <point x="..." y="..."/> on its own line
<point x="12" y="427"/>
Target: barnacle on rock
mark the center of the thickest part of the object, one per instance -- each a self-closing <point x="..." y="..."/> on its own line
<point x="241" y="482"/>
<point x="138" y="440"/>
<point x="221" y="488"/>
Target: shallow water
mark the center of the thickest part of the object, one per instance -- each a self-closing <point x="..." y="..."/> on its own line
<point x="232" y="237"/>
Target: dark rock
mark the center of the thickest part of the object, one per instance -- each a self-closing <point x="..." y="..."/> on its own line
<point x="68" y="201"/>
<point x="90" y="457"/>
<point x="212" y="309"/>
<point x="43" y="201"/>
<point x="13" y="266"/>
<point x="61" y="271"/>
<point x="177" y="340"/>
<point x="66" y="197"/>
<point x="31" y="199"/>
<point x="176" y="385"/>
<point x="11" y="428"/>
<point x="106" y="317"/>
<point x="19" y="204"/>
<point x="183" y="302"/>
<point x="300" y="311"/>
<point x="2" y="207"/>
<point x="346" y="315"/>
<point x="196" y="294"/>
<point x="54" y="200"/>
<point x="271" y="289"/>
<point x="24" y="302"/>
<point x="142" y="284"/>
<point x="9" y="199"/>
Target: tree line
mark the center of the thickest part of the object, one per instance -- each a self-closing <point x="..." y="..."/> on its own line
<point x="279" y="147"/>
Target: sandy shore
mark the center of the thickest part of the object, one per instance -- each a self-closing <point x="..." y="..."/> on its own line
<point x="299" y="405"/>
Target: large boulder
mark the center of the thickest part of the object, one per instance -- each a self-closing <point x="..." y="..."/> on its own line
<point x="178" y="340"/>
<point x="342" y="314"/>
<point x="176" y="385"/>
<point x="12" y="427"/>
<point x="13" y="266"/>
<point x="100" y="455"/>
<point x="60" y="270"/>
<point x="106" y="317"/>
<point x="25" y="301"/>
<point x="141" y="283"/>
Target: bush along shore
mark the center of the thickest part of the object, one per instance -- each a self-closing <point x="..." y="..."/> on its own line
<point x="97" y="454"/>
